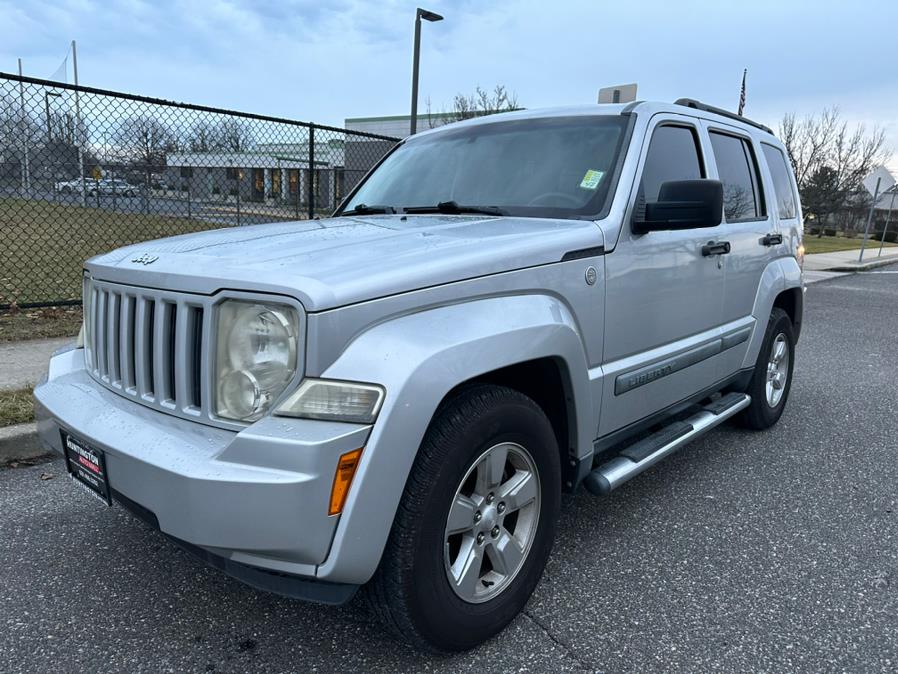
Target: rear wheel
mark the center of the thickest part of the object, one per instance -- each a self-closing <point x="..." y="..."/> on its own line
<point x="772" y="378"/>
<point x="475" y="525"/>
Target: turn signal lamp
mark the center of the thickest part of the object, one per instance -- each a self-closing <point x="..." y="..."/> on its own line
<point x="346" y="468"/>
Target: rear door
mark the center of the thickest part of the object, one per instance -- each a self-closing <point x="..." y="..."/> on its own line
<point x="750" y="230"/>
<point x="663" y="296"/>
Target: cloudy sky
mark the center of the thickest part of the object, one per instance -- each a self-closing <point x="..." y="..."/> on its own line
<point x="322" y="61"/>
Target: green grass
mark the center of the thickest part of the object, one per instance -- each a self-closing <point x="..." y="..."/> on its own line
<point x="829" y="244"/>
<point x="16" y="407"/>
<point x="45" y="244"/>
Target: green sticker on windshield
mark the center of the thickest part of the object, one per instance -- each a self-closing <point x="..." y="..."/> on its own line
<point x="592" y="179"/>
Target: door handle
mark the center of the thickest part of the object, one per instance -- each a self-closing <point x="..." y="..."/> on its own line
<point x="716" y="248"/>
<point x="774" y="239"/>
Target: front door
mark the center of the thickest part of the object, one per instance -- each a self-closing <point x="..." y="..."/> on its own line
<point x="664" y="297"/>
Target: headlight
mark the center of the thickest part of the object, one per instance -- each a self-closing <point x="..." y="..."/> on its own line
<point x="334" y="401"/>
<point x="256" y="357"/>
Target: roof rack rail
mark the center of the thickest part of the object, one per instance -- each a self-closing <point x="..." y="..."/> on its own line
<point x="698" y="105"/>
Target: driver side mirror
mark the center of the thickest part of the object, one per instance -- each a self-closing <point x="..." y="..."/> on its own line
<point x="683" y="204"/>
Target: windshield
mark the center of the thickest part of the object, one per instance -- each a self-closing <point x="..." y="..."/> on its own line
<point x="553" y="167"/>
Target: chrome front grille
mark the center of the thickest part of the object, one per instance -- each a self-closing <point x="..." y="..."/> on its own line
<point x="150" y="345"/>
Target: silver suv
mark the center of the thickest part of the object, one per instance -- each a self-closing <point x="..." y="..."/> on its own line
<point x="397" y="396"/>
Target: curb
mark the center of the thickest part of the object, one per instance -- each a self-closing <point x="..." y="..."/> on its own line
<point x="854" y="266"/>
<point x="19" y="443"/>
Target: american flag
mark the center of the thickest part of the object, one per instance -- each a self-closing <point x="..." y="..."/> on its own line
<point x="742" y="93"/>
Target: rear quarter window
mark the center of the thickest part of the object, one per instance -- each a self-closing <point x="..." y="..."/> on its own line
<point x="782" y="182"/>
<point x="737" y="170"/>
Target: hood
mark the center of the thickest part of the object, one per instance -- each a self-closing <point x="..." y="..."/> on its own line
<point x="339" y="261"/>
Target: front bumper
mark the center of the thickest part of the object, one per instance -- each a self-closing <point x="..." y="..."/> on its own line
<point x="256" y="498"/>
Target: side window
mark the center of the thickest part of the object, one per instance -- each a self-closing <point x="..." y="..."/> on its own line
<point x="738" y="172"/>
<point x="673" y="155"/>
<point x="782" y="183"/>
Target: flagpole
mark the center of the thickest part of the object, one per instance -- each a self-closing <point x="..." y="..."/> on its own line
<point x="26" y="169"/>
<point x="78" y="128"/>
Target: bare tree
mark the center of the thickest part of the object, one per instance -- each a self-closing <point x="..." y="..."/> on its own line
<point x="830" y="159"/>
<point x="234" y="136"/>
<point x="201" y="137"/>
<point x="478" y="104"/>
<point x="147" y="141"/>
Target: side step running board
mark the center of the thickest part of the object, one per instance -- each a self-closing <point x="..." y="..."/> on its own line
<point x="649" y="451"/>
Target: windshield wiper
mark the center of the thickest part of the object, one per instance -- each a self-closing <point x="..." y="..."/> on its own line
<point x="365" y="209"/>
<point x="454" y="208"/>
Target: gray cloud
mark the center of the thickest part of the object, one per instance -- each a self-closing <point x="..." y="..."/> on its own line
<point x="325" y="61"/>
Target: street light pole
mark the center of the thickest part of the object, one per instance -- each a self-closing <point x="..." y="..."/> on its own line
<point x="427" y="16"/>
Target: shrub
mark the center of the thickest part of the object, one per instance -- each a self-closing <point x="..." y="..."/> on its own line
<point x="828" y="231"/>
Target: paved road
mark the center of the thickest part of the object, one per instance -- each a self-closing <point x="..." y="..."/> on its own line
<point x="769" y="551"/>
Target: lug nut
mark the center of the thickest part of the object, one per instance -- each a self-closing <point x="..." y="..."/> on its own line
<point x="477" y="516"/>
<point x="480" y="538"/>
<point x="501" y="507"/>
<point x="490" y="497"/>
<point x="495" y="531"/>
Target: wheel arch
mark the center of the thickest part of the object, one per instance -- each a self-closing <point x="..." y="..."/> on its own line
<point x="791" y="300"/>
<point x="420" y="359"/>
<point x="547" y="382"/>
<point x="780" y="282"/>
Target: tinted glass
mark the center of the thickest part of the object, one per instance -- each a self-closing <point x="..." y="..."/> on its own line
<point x="736" y="169"/>
<point x="673" y="155"/>
<point x="557" y="167"/>
<point x="782" y="183"/>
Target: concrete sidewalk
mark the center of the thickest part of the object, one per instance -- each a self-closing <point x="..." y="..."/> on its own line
<point x="846" y="260"/>
<point x="24" y="363"/>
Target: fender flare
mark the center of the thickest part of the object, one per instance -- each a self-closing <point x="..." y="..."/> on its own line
<point x="419" y="358"/>
<point x="780" y="274"/>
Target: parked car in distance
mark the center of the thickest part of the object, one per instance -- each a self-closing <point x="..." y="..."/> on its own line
<point x="396" y="397"/>
<point x="112" y="186"/>
<point x="68" y="186"/>
<point x="103" y="186"/>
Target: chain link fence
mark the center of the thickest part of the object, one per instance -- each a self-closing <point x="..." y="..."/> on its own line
<point x="84" y="170"/>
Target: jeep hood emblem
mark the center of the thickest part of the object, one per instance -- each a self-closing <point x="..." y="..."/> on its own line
<point x="146" y="258"/>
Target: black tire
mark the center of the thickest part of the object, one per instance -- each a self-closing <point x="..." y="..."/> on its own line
<point x="410" y="592"/>
<point x="760" y="414"/>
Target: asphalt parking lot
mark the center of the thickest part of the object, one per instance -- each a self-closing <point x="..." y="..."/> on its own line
<point x="771" y="551"/>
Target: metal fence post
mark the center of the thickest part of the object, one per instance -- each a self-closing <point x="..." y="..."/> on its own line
<point x="311" y="171"/>
<point x="237" y="191"/>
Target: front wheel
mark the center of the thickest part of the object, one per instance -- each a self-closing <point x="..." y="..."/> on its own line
<point x="772" y="378"/>
<point x="475" y="525"/>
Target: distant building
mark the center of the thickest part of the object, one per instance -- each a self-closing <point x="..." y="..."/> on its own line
<point x="397" y="126"/>
<point x="270" y="172"/>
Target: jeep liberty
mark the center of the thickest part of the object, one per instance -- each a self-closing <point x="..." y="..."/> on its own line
<point x="396" y="397"/>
